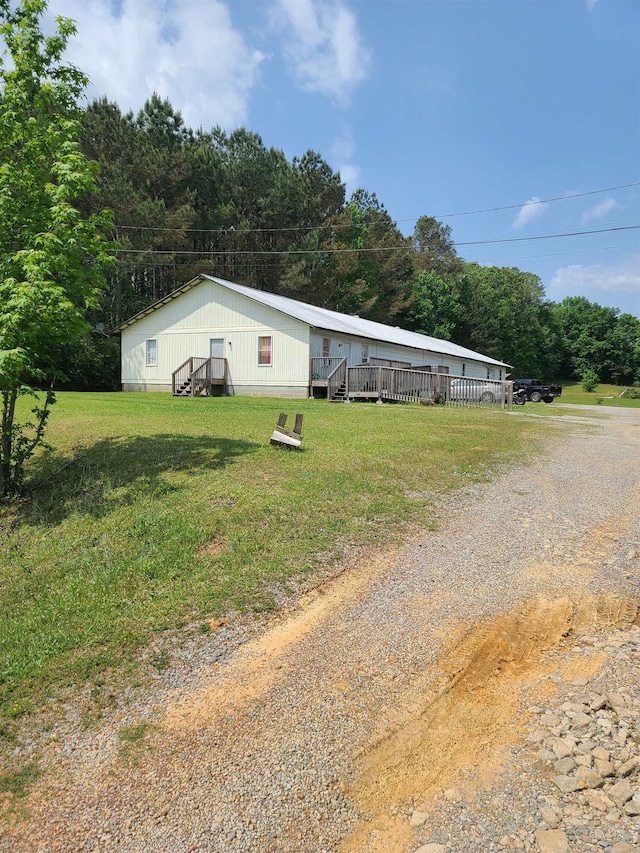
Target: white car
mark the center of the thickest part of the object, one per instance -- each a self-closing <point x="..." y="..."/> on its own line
<point x="475" y="390"/>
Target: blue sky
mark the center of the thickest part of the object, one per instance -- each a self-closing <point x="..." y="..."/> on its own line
<point x="438" y="106"/>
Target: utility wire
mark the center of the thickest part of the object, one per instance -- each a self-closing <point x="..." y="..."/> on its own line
<point x="276" y="252"/>
<point x="270" y="266"/>
<point x="232" y="230"/>
<point x="554" y="254"/>
<point x="532" y="203"/>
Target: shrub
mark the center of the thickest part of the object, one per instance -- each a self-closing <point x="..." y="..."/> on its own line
<point x="589" y="380"/>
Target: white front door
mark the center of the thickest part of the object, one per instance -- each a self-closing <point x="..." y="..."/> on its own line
<point x="216" y="347"/>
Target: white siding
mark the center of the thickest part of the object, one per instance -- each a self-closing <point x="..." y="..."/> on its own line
<point x="184" y="327"/>
<point x="351" y="348"/>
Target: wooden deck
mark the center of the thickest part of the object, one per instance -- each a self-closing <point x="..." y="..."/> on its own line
<point x="389" y="382"/>
<point x="394" y="384"/>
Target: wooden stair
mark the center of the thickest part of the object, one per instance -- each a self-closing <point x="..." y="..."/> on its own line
<point x="197" y="375"/>
<point x="340" y="394"/>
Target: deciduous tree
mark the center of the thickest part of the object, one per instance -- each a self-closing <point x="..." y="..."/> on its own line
<point x="598" y="338"/>
<point x="51" y="258"/>
<point x="505" y="315"/>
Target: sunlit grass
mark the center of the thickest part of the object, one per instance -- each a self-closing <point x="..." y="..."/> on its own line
<point x="603" y="395"/>
<point x="153" y="513"/>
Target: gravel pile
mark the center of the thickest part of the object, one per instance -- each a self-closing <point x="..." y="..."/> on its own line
<point x="572" y="784"/>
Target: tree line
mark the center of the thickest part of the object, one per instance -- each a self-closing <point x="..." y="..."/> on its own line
<point x="190" y="201"/>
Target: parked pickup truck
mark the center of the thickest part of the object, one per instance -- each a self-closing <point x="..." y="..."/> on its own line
<point x="536" y="391"/>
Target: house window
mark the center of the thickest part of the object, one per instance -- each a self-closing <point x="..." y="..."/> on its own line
<point x="152" y="353"/>
<point x="488" y="373"/>
<point x="365" y="353"/>
<point x="326" y="347"/>
<point x="264" y="350"/>
<point x="464" y="368"/>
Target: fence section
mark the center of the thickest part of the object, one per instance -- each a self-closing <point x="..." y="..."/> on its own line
<point x="376" y="382"/>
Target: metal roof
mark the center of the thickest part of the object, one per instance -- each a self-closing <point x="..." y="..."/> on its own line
<point x="332" y="321"/>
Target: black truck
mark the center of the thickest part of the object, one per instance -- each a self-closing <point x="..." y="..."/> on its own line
<point x="536" y="391"/>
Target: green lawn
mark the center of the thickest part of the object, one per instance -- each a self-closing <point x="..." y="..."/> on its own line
<point x="604" y="395"/>
<point x="153" y="513"/>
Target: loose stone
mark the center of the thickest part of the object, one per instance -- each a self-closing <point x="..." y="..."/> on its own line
<point x="551" y="817"/>
<point x="621" y="792"/>
<point x="589" y="777"/>
<point x="568" y="784"/>
<point x="632" y="808"/>
<point x="552" y="841"/>
<point x="627" y="768"/>
<point x="599" y="800"/>
<point x="624" y="847"/>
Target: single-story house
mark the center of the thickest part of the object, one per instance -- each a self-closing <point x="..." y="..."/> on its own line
<point x="248" y="342"/>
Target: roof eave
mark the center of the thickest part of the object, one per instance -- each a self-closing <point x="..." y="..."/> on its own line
<point x="472" y="356"/>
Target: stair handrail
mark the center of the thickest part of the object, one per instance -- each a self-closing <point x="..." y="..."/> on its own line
<point x="200" y="376"/>
<point x="211" y="368"/>
<point x="180" y="375"/>
<point x="336" y="378"/>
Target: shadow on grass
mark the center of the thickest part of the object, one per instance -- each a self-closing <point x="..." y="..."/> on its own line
<point x="119" y="471"/>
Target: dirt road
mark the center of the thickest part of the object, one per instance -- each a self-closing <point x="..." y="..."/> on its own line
<point x="380" y="689"/>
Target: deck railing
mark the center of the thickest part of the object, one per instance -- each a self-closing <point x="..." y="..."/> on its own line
<point x="337" y="378"/>
<point x="213" y="369"/>
<point x="392" y="383"/>
<point x="322" y="368"/>
<point x="387" y="362"/>
<point x="389" y="383"/>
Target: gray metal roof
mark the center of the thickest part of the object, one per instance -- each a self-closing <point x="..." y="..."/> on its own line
<point x="332" y="321"/>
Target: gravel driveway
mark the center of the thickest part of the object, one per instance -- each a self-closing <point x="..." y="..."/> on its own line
<point x="400" y="688"/>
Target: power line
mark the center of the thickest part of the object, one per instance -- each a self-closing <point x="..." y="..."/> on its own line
<point x="550" y="236"/>
<point x="276" y="252"/>
<point x="270" y="266"/>
<point x="555" y="254"/>
<point x="540" y="201"/>
<point x="232" y="229"/>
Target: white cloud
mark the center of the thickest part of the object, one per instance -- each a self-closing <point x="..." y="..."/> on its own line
<point x="350" y="174"/>
<point x="323" y="46"/>
<point x="532" y="209"/>
<point x="600" y="210"/>
<point x="342" y="153"/>
<point x="188" y="52"/>
<point x="622" y="277"/>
